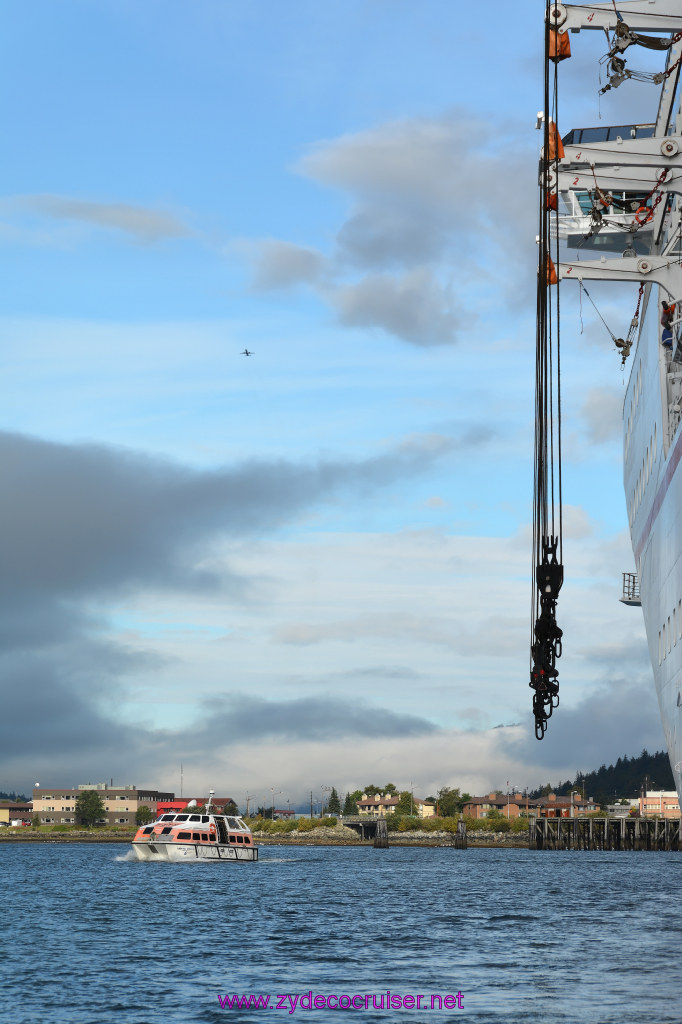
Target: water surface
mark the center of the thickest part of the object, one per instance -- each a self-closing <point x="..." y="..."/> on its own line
<point x="91" y="937"/>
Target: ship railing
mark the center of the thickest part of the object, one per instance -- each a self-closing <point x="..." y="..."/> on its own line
<point x="631" y="589"/>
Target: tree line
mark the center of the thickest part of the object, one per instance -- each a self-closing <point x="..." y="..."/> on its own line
<point x="624" y="779"/>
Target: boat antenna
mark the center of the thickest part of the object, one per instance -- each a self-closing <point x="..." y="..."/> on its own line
<point x="547" y="567"/>
<point x="211" y="794"/>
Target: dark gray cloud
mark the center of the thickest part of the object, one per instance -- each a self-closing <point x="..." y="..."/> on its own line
<point x="619" y="717"/>
<point x="283" y="264"/>
<point x="85" y="523"/>
<point x="84" y="519"/>
<point x="306" y="718"/>
<point x="414" y="307"/>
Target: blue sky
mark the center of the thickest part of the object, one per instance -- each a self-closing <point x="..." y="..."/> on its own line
<point x="311" y="566"/>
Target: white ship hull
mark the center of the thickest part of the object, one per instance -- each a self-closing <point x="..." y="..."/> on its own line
<point x="179" y="852"/>
<point x="653" y="491"/>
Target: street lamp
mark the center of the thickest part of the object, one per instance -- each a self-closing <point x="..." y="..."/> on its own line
<point x="508" y="799"/>
<point x="249" y="798"/>
<point x="274" y="794"/>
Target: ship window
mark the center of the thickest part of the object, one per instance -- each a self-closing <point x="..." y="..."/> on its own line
<point x="197" y="837"/>
<point x="195" y="817"/>
<point x="233" y="839"/>
<point x="212" y="838"/>
<point x="232" y="823"/>
<point x="168" y="817"/>
<point x="184" y="835"/>
<point x="182" y="817"/>
<point x="165" y="831"/>
<point x="204" y="819"/>
<point x="146" y="831"/>
<point x="240" y="839"/>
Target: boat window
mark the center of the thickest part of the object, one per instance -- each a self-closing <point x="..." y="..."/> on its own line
<point x="233" y="823"/>
<point x="168" y="817"/>
<point x="240" y="839"/>
<point x="242" y="824"/>
<point x="212" y="838"/>
<point x="197" y="837"/>
<point x="204" y="819"/>
<point x="184" y="835"/>
<point x="195" y="817"/>
<point x="233" y="839"/>
<point x="182" y="817"/>
<point x="166" y="830"/>
<point x="146" y="831"/>
<point x="246" y="839"/>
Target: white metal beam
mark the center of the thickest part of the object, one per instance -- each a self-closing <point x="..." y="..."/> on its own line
<point x="638" y="15"/>
<point x="642" y="269"/>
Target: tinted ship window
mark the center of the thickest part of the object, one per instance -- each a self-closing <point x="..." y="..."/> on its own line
<point x="182" y="817"/>
<point x="184" y="835"/>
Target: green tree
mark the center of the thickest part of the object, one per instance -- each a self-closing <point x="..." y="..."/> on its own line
<point x="35" y="821"/>
<point x="89" y="807"/>
<point x="405" y="803"/>
<point x="143" y="815"/>
<point x="451" y="802"/>
<point x="350" y="805"/>
<point x="334" y="805"/>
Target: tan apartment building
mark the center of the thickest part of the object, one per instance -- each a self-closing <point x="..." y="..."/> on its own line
<point x="378" y="805"/>
<point x="58" y="806"/>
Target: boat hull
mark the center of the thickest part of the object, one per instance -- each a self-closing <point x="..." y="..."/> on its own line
<point x="179" y="852"/>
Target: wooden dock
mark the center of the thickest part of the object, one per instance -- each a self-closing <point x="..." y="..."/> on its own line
<point x="604" y="834"/>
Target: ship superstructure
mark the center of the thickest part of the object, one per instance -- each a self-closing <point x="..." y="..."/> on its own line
<point x="617" y="196"/>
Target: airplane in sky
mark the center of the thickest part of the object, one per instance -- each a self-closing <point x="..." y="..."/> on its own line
<point x="246" y="353"/>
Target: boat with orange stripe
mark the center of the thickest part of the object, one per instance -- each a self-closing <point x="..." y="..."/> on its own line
<point x="196" y="834"/>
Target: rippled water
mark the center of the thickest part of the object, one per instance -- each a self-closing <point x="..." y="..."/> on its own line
<point x="91" y="937"/>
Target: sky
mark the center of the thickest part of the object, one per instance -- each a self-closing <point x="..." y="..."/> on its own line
<point x="309" y="567"/>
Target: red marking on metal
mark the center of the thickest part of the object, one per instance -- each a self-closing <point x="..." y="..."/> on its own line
<point x="577" y="179"/>
<point x="590" y="16"/>
<point x="569" y="271"/>
<point x="673" y="462"/>
<point x="579" y="155"/>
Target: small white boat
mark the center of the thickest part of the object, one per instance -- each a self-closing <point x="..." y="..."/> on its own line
<point x="195" y="835"/>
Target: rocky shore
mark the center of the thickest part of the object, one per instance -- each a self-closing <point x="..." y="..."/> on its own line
<point x="339" y="835"/>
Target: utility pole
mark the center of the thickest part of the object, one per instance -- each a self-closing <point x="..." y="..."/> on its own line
<point x="249" y="797"/>
<point x="311" y="803"/>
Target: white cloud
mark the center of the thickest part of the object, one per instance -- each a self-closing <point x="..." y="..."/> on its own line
<point x="141" y="223"/>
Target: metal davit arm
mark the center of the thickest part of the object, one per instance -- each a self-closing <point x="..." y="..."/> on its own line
<point x="654" y="15"/>
<point x="658" y="270"/>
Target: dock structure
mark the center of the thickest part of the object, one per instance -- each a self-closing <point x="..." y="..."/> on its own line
<point x="461" y="836"/>
<point x="604" y="834"/>
<point x="381" y="835"/>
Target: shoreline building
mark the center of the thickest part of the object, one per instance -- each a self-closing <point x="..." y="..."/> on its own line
<point x="58" y="806"/>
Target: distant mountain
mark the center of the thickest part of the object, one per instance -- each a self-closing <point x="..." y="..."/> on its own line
<point x="624" y="779"/>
